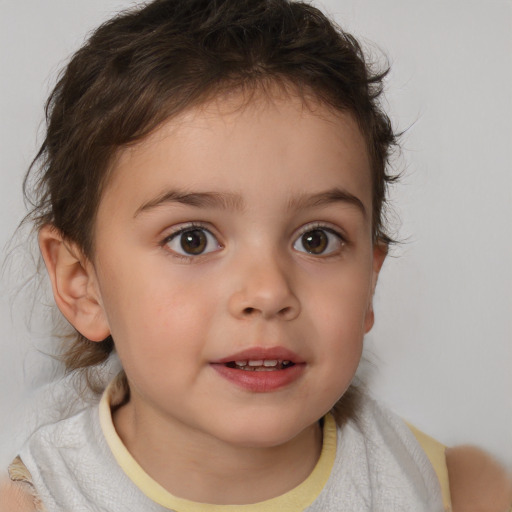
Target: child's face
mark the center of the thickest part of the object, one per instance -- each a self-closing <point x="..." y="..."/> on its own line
<point x="239" y="234"/>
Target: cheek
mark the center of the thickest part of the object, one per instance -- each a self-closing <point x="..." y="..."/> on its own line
<point x="151" y="316"/>
<point x="341" y="302"/>
<point x="338" y="311"/>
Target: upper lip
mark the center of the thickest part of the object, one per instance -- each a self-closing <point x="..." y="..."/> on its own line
<point x="262" y="353"/>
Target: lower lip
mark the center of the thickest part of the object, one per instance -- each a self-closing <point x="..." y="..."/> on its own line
<point x="260" y="382"/>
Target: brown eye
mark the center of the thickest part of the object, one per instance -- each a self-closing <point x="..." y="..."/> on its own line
<point x="319" y="242"/>
<point x="315" y="242"/>
<point x="192" y="242"/>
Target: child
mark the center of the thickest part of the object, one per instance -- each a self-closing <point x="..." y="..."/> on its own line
<point x="210" y="204"/>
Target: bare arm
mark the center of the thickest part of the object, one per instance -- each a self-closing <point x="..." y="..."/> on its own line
<point x="477" y="482"/>
<point x="15" y="497"/>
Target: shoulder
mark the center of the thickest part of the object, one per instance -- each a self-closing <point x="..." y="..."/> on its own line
<point x="70" y="432"/>
<point x="15" y="497"/>
<point x="477" y="481"/>
<point x="17" y="492"/>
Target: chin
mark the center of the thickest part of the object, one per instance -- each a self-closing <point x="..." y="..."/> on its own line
<point x="261" y="432"/>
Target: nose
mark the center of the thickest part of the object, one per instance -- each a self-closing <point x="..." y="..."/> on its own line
<point x="263" y="288"/>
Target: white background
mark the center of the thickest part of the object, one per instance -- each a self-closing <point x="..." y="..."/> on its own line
<point x="442" y="346"/>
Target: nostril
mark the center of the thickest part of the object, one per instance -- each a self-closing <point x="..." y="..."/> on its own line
<point x="288" y="313"/>
<point x="284" y="312"/>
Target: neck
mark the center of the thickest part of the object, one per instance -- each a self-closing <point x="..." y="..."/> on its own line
<point x="198" y="467"/>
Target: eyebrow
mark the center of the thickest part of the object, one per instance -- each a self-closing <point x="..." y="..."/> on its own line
<point x="334" y="195"/>
<point x="225" y="201"/>
<point x="230" y="201"/>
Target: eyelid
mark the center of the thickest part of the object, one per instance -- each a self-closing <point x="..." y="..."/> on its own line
<point x="186" y="226"/>
<point x="326" y="226"/>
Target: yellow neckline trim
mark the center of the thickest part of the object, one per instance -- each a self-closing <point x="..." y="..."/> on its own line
<point x="297" y="499"/>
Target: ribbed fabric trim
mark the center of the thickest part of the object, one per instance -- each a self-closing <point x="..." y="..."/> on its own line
<point x="436" y="454"/>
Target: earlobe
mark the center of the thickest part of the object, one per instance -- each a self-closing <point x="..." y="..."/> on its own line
<point x="74" y="284"/>
<point x="380" y="252"/>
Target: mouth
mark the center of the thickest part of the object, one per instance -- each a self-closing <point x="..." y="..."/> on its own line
<point x="260" y="365"/>
<point x="261" y="359"/>
<point x="261" y="369"/>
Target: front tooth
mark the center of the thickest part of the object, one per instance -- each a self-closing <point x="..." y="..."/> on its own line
<point x="270" y="362"/>
<point x="258" y="362"/>
<point x="241" y="363"/>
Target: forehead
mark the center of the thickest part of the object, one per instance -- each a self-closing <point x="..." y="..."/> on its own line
<point x="233" y="142"/>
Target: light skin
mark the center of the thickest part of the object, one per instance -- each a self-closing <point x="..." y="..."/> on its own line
<point x="276" y="195"/>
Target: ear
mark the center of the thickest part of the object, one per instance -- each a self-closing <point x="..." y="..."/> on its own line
<point x="380" y="251"/>
<point x="74" y="284"/>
